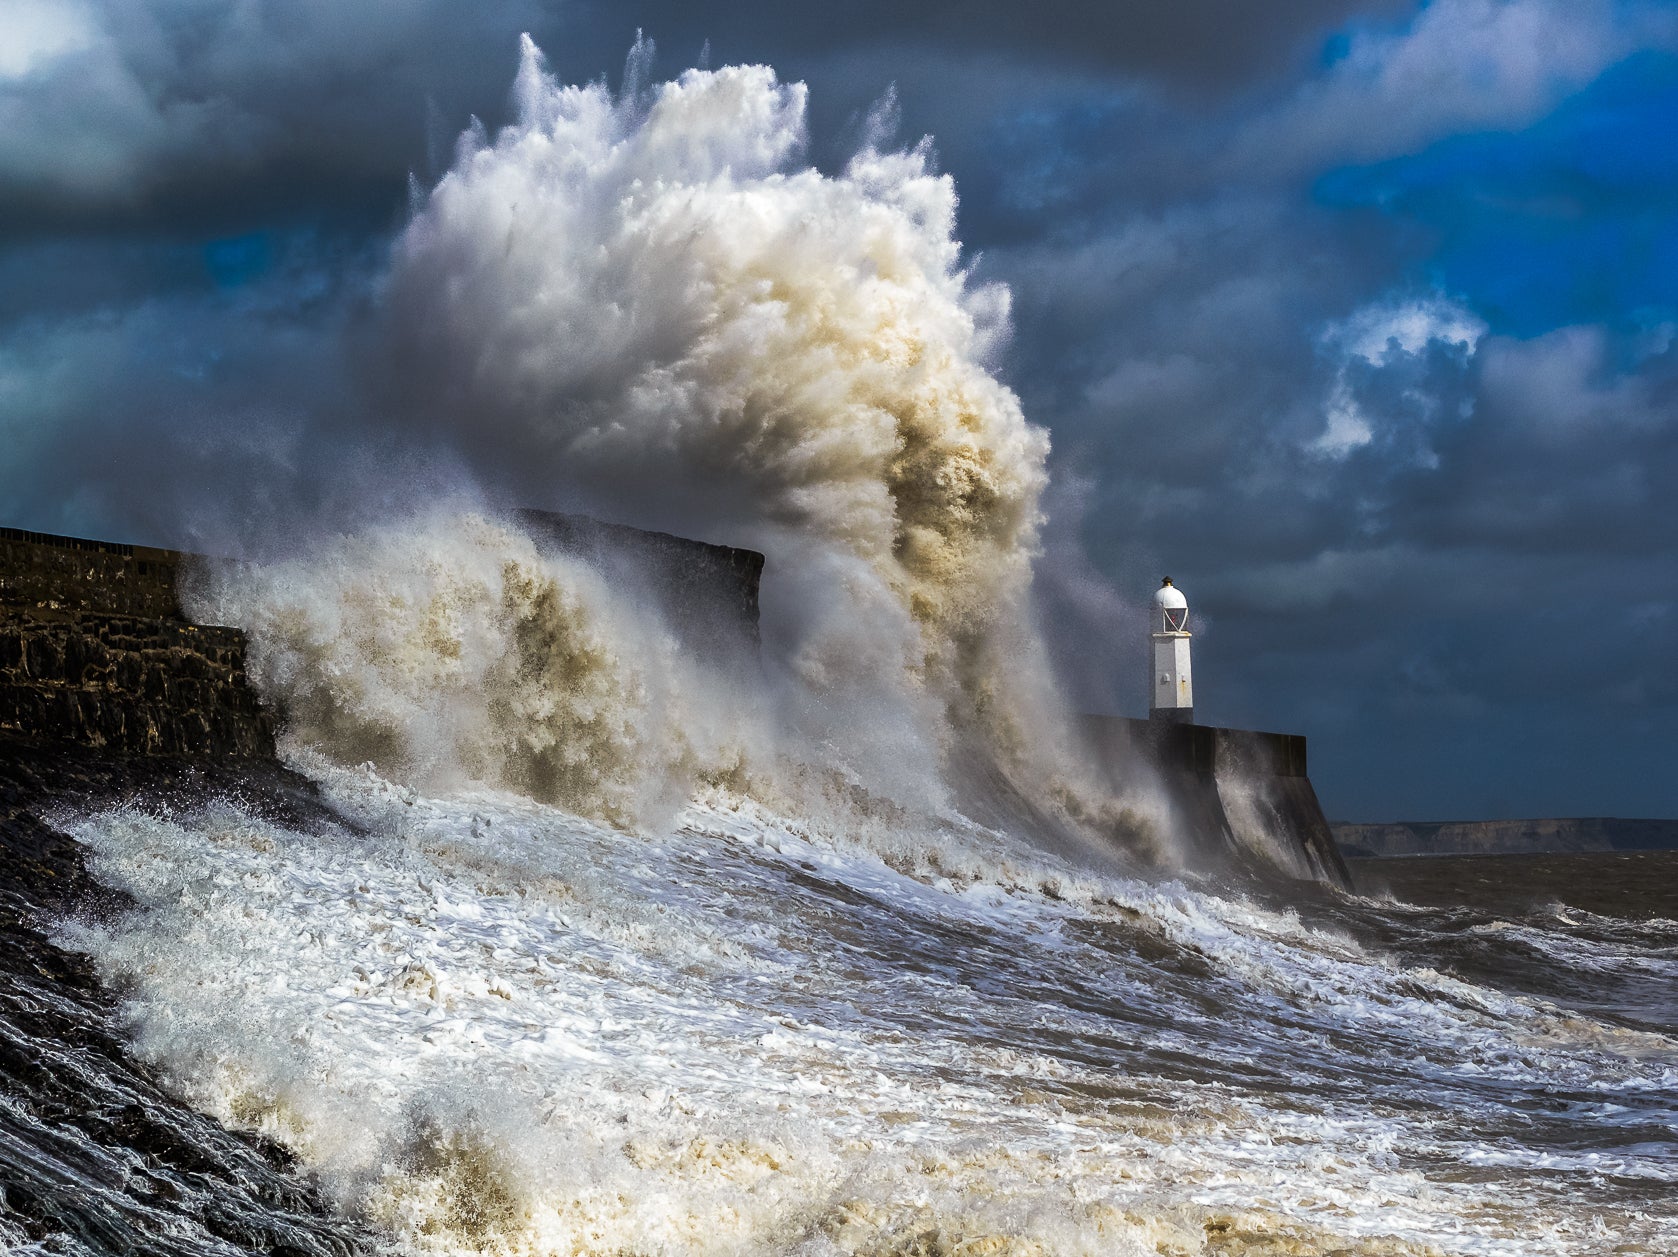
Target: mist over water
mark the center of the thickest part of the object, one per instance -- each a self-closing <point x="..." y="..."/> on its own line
<point x="843" y="946"/>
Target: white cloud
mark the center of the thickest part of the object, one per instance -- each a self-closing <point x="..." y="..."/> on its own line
<point x="33" y="33"/>
<point x="1379" y="333"/>
<point x="1384" y="335"/>
<point x="1347" y="426"/>
<point x="1461" y="65"/>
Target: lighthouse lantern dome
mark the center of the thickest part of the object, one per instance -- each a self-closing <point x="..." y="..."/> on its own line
<point x="1171" y="608"/>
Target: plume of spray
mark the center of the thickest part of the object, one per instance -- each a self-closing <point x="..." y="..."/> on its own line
<point x="649" y="295"/>
<point x="445" y="649"/>
<point x="649" y="305"/>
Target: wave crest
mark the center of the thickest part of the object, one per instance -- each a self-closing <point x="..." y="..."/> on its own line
<point x="649" y="302"/>
<point x="450" y="650"/>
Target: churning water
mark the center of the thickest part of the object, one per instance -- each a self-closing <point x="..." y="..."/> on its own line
<point x="494" y="1026"/>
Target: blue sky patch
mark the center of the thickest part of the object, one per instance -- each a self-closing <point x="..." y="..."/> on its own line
<point x="1571" y="220"/>
<point x="238" y="260"/>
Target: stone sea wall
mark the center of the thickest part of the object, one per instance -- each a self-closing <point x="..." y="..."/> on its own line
<point x="94" y="652"/>
<point x="130" y="684"/>
<point x="1235" y="795"/>
<point x="697" y="584"/>
<point x="48" y="574"/>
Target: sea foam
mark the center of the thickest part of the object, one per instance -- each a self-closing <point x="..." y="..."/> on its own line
<point x="495" y="1026"/>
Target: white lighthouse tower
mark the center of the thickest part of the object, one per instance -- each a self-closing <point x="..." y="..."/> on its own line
<point x="1173" y="685"/>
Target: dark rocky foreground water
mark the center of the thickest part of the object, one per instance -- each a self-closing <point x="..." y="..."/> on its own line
<point x="94" y="1156"/>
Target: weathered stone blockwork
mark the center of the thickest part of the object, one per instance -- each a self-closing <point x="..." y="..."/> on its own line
<point x="52" y="574"/>
<point x="94" y="652"/>
<point x="141" y="686"/>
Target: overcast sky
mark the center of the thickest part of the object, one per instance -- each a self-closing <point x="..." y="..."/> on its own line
<point x="1358" y="319"/>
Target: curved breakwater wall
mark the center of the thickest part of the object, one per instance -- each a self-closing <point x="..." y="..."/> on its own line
<point x="1233" y="791"/>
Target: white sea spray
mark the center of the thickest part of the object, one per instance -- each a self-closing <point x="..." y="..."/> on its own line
<point x="652" y="302"/>
<point x="446" y="649"/>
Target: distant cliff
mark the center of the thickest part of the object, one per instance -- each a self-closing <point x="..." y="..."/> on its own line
<point x="1596" y="833"/>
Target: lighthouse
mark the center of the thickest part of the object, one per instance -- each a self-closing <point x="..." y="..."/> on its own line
<point x="1173" y="686"/>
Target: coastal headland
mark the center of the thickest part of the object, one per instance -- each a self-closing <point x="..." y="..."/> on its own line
<point x="1552" y="836"/>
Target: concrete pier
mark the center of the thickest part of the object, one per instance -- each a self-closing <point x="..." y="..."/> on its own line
<point x="1232" y="792"/>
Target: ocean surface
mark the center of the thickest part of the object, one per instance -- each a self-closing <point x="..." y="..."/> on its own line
<point x="487" y="1025"/>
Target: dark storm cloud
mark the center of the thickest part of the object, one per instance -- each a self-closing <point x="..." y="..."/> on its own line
<point x="140" y="418"/>
<point x="1209" y="44"/>
<point x="114" y="112"/>
<point x="1354" y="317"/>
